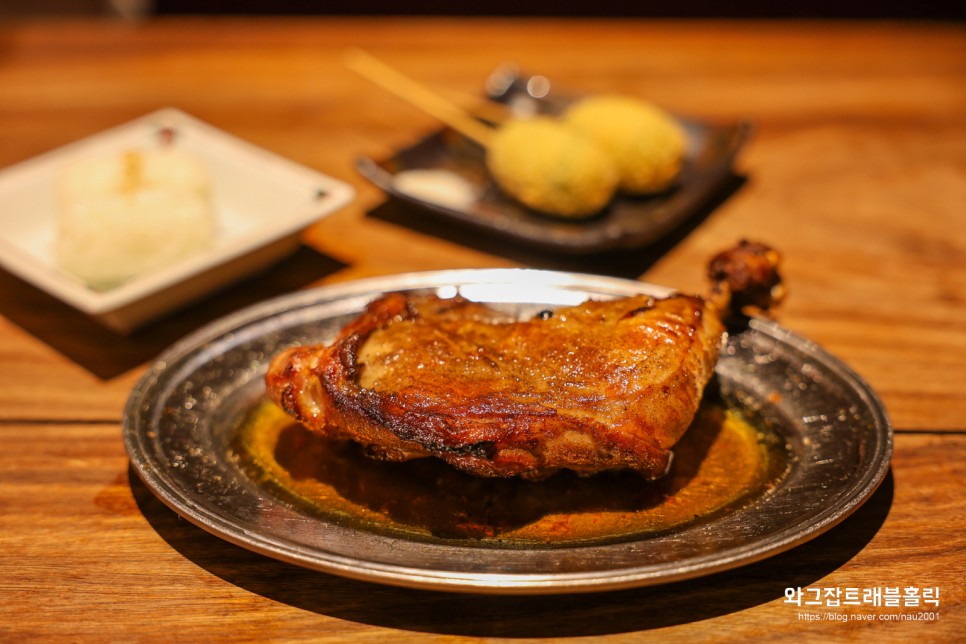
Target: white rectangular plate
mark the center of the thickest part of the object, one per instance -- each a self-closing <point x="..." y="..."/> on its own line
<point x="261" y="200"/>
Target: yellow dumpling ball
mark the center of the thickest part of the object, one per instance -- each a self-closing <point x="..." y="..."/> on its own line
<point x="551" y="168"/>
<point x="645" y="143"/>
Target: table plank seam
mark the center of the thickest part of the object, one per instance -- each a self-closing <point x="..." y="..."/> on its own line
<point x="926" y="431"/>
<point x="117" y="421"/>
<point x="59" y="421"/>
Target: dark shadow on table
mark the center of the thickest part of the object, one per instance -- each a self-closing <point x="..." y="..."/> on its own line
<point x="824" y="9"/>
<point x="107" y="354"/>
<point x="489" y="616"/>
<point x="627" y="263"/>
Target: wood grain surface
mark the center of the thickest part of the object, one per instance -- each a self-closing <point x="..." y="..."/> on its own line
<point x="856" y="171"/>
<point x="91" y="553"/>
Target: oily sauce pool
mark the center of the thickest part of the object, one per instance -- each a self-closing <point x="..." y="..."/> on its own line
<point x="721" y="462"/>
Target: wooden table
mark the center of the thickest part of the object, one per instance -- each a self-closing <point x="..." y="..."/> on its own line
<point x="856" y="171"/>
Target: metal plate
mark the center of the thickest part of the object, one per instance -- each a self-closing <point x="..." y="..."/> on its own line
<point x="179" y="420"/>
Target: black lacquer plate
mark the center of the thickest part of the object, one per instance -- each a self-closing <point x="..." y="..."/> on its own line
<point x="628" y="222"/>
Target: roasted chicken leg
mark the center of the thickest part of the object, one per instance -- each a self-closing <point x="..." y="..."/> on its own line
<point x="599" y="386"/>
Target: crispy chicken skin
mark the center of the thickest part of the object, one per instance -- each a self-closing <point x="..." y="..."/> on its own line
<point x="599" y="386"/>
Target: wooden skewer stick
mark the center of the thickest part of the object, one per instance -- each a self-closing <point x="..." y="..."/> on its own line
<point x="409" y="90"/>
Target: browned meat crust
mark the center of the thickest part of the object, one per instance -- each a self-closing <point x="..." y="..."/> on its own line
<point x="594" y="387"/>
<point x="746" y="275"/>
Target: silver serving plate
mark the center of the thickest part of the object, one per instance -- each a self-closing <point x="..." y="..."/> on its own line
<point x="180" y="417"/>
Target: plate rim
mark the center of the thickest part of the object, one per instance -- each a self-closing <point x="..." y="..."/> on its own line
<point x="483" y="582"/>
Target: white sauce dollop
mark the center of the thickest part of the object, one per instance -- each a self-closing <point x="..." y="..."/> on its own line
<point x="441" y="187"/>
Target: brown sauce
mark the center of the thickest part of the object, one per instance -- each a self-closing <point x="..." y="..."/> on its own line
<point x="721" y="462"/>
